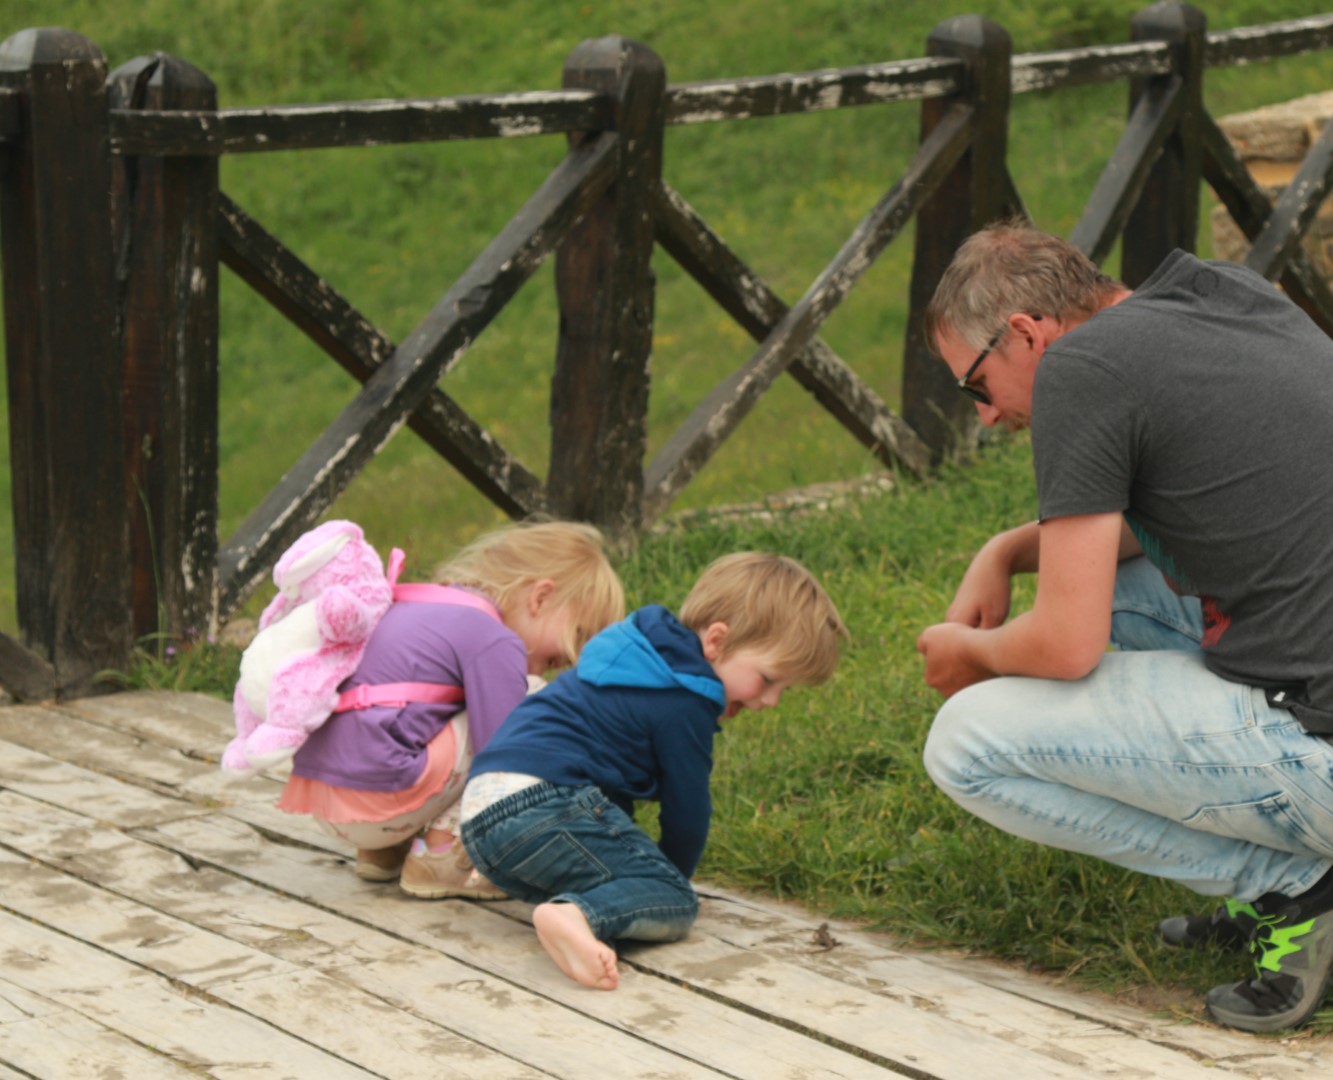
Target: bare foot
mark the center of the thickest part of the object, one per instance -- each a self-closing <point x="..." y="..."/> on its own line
<point x="438" y="838"/>
<point x="564" y="932"/>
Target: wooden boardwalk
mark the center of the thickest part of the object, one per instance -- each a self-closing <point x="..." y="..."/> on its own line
<point x="162" y="921"/>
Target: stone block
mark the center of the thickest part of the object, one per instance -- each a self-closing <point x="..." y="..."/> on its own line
<point x="1272" y="141"/>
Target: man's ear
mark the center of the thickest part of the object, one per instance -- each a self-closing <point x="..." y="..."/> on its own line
<point x="1033" y="329"/>
<point x="714" y="639"/>
<point x="538" y="595"/>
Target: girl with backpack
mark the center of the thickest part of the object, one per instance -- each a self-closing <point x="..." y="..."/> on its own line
<point x="385" y="773"/>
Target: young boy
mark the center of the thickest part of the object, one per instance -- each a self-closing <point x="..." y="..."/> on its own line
<point x="547" y="809"/>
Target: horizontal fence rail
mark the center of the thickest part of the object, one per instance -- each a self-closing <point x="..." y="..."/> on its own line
<point x="378" y="123"/>
<point x="358" y="123"/>
<point x="148" y="303"/>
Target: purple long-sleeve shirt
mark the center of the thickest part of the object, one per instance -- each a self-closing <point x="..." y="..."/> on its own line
<point x="384" y="748"/>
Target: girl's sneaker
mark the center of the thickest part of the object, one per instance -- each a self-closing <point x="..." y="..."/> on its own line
<point x="434" y="875"/>
<point x="381" y="864"/>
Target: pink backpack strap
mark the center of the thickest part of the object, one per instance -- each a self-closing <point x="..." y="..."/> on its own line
<point x="396" y="695"/>
<point x="396" y="559"/>
<point x="424" y="593"/>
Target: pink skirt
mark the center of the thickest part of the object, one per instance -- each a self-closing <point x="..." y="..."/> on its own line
<point x="328" y="802"/>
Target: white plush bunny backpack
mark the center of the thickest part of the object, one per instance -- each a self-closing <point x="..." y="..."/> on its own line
<point x="332" y="592"/>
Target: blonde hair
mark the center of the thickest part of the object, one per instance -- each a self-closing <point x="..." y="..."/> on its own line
<point x="771" y="604"/>
<point x="1006" y="267"/>
<point x="504" y="563"/>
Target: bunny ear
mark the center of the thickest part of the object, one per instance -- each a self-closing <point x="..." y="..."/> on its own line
<point x="396" y="560"/>
<point x="310" y="561"/>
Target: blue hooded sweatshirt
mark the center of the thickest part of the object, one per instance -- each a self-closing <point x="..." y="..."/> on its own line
<point x="636" y="718"/>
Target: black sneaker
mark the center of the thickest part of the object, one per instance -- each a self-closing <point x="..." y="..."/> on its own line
<point x="1229" y="927"/>
<point x="1293" y="966"/>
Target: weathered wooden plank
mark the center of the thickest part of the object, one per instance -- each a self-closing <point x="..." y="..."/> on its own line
<point x="1295" y="209"/>
<point x="1227" y="1052"/>
<point x="1121" y="181"/>
<point x="162" y="769"/>
<point x="1271" y="41"/>
<point x="313" y="1006"/>
<point x="607" y="294"/>
<point x="976" y="191"/>
<point x="1088" y="1029"/>
<point x="23" y="673"/>
<point x="11" y="117"/>
<point x="281" y="927"/>
<point x="198" y="724"/>
<point x="738" y="1042"/>
<point x="373" y="123"/>
<point x="106" y="800"/>
<point x="691" y="446"/>
<point x="1165" y="214"/>
<point x="70" y="517"/>
<point x="1249" y="209"/>
<point x="358" y="123"/>
<point x="1143" y="59"/>
<point x="188" y="1027"/>
<point x="1068" y="1029"/>
<point x="745" y="296"/>
<point x="308" y="926"/>
<point x="306" y="970"/>
<point x="43" y="1039"/>
<point x="321" y="313"/>
<point x="811" y="91"/>
<point x="282" y="959"/>
<point x="403" y="381"/>
<point x="167" y="279"/>
<point x="907" y="1028"/>
<point x="1095" y="64"/>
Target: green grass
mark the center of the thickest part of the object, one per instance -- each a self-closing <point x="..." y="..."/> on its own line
<point x="824" y="800"/>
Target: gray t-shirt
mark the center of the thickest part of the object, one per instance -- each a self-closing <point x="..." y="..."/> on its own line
<point x="1202" y="407"/>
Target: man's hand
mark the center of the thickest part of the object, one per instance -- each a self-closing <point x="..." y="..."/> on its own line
<point x="1064" y="635"/>
<point x="950" y="665"/>
<point x="984" y="594"/>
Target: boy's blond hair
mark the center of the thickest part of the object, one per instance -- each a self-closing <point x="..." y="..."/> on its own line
<point x="503" y="563"/>
<point x="771" y="604"/>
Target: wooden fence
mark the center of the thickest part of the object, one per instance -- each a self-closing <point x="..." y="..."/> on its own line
<point x="113" y="229"/>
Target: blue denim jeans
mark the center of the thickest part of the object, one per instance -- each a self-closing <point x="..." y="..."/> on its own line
<point x="575" y="845"/>
<point x="1151" y="762"/>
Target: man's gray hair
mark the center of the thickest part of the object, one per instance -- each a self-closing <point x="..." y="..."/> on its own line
<point x="1010" y="266"/>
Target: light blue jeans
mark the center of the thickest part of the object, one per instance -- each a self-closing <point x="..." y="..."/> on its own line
<point x="1151" y="762"/>
<point x="573" y="844"/>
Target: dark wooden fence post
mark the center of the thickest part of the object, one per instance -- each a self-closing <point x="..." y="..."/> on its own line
<point x="166" y="235"/>
<point x="974" y="194"/>
<point x="71" y="537"/>
<point x="605" y="288"/>
<point x="1166" y="215"/>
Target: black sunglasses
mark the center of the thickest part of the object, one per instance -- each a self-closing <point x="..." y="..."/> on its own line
<point x="964" y="384"/>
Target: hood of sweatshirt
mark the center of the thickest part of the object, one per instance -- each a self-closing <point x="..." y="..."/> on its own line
<point x="651" y="649"/>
